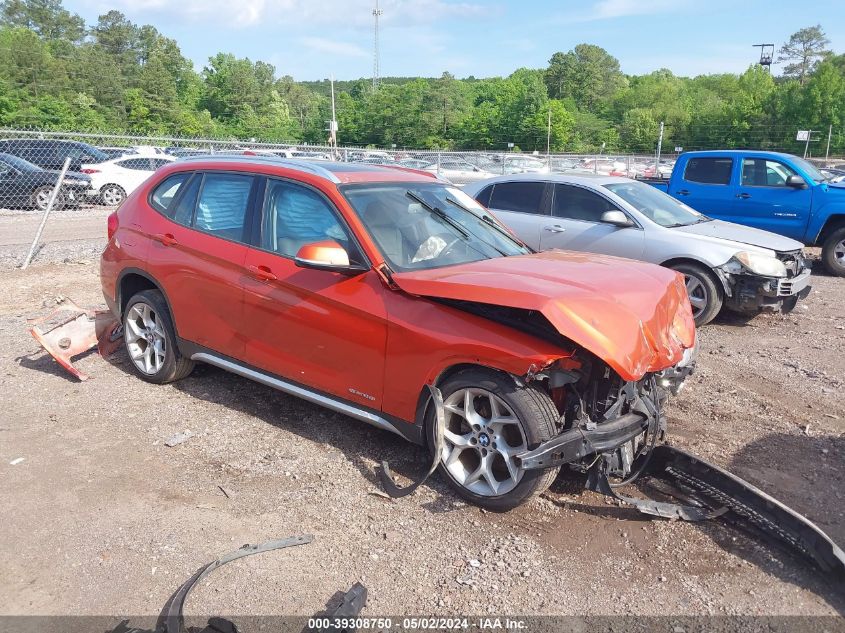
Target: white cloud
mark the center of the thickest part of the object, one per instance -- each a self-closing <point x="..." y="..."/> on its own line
<point x="301" y="14"/>
<point x="611" y="9"/>
<point x="333" y="47"/>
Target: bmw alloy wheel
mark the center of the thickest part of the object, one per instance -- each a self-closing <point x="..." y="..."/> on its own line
<point x="145" y="339"/>
<point x="482" y="438"/>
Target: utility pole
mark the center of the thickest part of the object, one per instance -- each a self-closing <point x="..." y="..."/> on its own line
<point x="829" y="134"/>
<point x="659" y="147"/>
<point x="807" y="144"/>
<point x="549" y="135"/>
<point x="376" y="14"/>
<point x="333" y="122"/>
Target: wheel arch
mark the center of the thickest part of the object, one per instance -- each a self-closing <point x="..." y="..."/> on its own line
<point x="130" y="282"/>
<point x="834" y="221"/>
<point x="674" y="261"/>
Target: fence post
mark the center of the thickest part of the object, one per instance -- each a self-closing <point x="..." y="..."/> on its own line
<point x="438" y="163"/>
<point x="49" y="208"/>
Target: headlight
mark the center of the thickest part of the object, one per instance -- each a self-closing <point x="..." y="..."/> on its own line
<point x="761" y="264"/>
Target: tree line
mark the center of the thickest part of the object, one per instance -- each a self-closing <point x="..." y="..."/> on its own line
<point x="58" y="73"/>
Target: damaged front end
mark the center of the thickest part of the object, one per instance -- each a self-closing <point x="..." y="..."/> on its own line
<point x="601" y="414"/>
<point x="755" y="282"/>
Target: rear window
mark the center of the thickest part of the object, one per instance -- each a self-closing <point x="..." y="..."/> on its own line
<point x="523" y="197"/>
<point x="164" y="194"/>
<point x="709" y="171"/>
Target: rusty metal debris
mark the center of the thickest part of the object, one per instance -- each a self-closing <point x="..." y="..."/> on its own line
<point x="70" y="330"/>
<point x="437" y="449"/>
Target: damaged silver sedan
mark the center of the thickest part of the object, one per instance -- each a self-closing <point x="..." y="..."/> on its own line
<point x="725" y="265"/>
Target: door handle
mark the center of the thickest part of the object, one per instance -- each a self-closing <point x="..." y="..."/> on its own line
<point x="262" y="272"/>
<point x="744" y="196"/>
<point x="554" y="228"/>
<point x="683" y="192"/>
<point x="166" y="238"/>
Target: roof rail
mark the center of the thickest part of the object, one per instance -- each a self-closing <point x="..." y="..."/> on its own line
<point x="291" y="163"/>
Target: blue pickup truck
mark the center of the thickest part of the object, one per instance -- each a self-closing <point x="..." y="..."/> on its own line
<point x="776" y="192"/>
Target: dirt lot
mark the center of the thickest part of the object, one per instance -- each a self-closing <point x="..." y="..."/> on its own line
<point x="101" y="517"/>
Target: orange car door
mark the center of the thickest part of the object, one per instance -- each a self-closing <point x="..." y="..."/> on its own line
<point x="319" y="328"/>
<point x="197" y="253"/>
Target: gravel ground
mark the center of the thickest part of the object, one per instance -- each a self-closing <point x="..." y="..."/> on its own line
<point x="101" y="517"/>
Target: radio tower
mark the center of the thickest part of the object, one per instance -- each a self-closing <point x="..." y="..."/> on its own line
<point x="376" y="13"/>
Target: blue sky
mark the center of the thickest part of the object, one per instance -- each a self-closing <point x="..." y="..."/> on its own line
<point x="311" y="39"/>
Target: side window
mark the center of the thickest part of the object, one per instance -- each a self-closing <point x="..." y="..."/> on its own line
<point x="524" y="197"/>
<point x="222" y="204"/>
<point x="5" y="170"/>
<point x="576" y="203"/>
<point x="141" y="164"/>
<point x="484" y="196"/>
<point x="295" y="216"/>
<point x="709" y="171"/>
<point x="158" y="162"/>
<point x="164" y="194"/>
<point x="183" y="211"/>
<point x="758" y="172"/>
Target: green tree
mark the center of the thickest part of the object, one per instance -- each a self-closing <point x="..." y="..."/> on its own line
<point x="588" y="74"/>
<point x="47" y="18"/>
<point x="803" y="51"/>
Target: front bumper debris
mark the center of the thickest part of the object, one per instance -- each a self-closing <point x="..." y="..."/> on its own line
<point x="753" y="293"/>
<point x="70" y="330"/>
<point x="713" y="492"/>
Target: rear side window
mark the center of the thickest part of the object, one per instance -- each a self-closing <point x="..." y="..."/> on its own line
<point x="484" y="196"/>
<point x="183" y="211"/>
<point x="524" y="197"/>
<point x="141" y="164"/>
<point x="709" y="171"/>
<point x="576" y="203"/>
<point x="164" y="194"/>
<point x="222" y="204"/>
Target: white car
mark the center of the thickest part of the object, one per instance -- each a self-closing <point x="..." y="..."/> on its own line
<point x="113" y="180"/>
<point x="458" y="171"/>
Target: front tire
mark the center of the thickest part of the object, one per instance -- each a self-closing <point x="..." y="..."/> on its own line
<point x="41" y="197"/>
<point x="833" y="252"/>
<point x="150" y="339"/>
<point x="705" y="293"/>
<point x="489" y="420"/>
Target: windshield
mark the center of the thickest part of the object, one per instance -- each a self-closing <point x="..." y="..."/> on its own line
<point x="19" y="163"/>
<point x="809" y="169"/>
<point x="657" y="206"/>
<point x="418" y="226"/>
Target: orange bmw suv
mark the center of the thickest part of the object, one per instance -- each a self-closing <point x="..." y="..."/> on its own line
<point x="357" y="287"/>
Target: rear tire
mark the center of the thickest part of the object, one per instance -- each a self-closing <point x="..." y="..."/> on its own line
<point x="833" y="252"/>
<point x="112" y="195"/>
<point x="526" y="417"/>
<point x="150" y="339"/>
<point x="704" y="290"/>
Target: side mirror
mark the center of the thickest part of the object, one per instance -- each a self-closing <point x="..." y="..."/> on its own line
<point x="327" y="255"/>
<point x="796" y="181"/>
<point x="616" y="218"/>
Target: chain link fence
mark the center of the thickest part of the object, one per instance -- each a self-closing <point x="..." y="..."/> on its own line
<point x="105" y="168"/>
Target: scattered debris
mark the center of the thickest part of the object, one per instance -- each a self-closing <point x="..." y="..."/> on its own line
<point x="16" y="461"/>
<point x="171" y="614"/>
<point x="179" y="438"/>
<point x="70" y="330"/>
<point x="223" y="490"/>
<point x="440" y="427"/>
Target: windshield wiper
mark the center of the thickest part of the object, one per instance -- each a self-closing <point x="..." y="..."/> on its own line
<point x="440" y="213"/>
<point x="488" y="220"/>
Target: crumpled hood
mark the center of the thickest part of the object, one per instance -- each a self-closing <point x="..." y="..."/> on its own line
<point x="633" y="315"/>
<point x="742" y="234"/>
